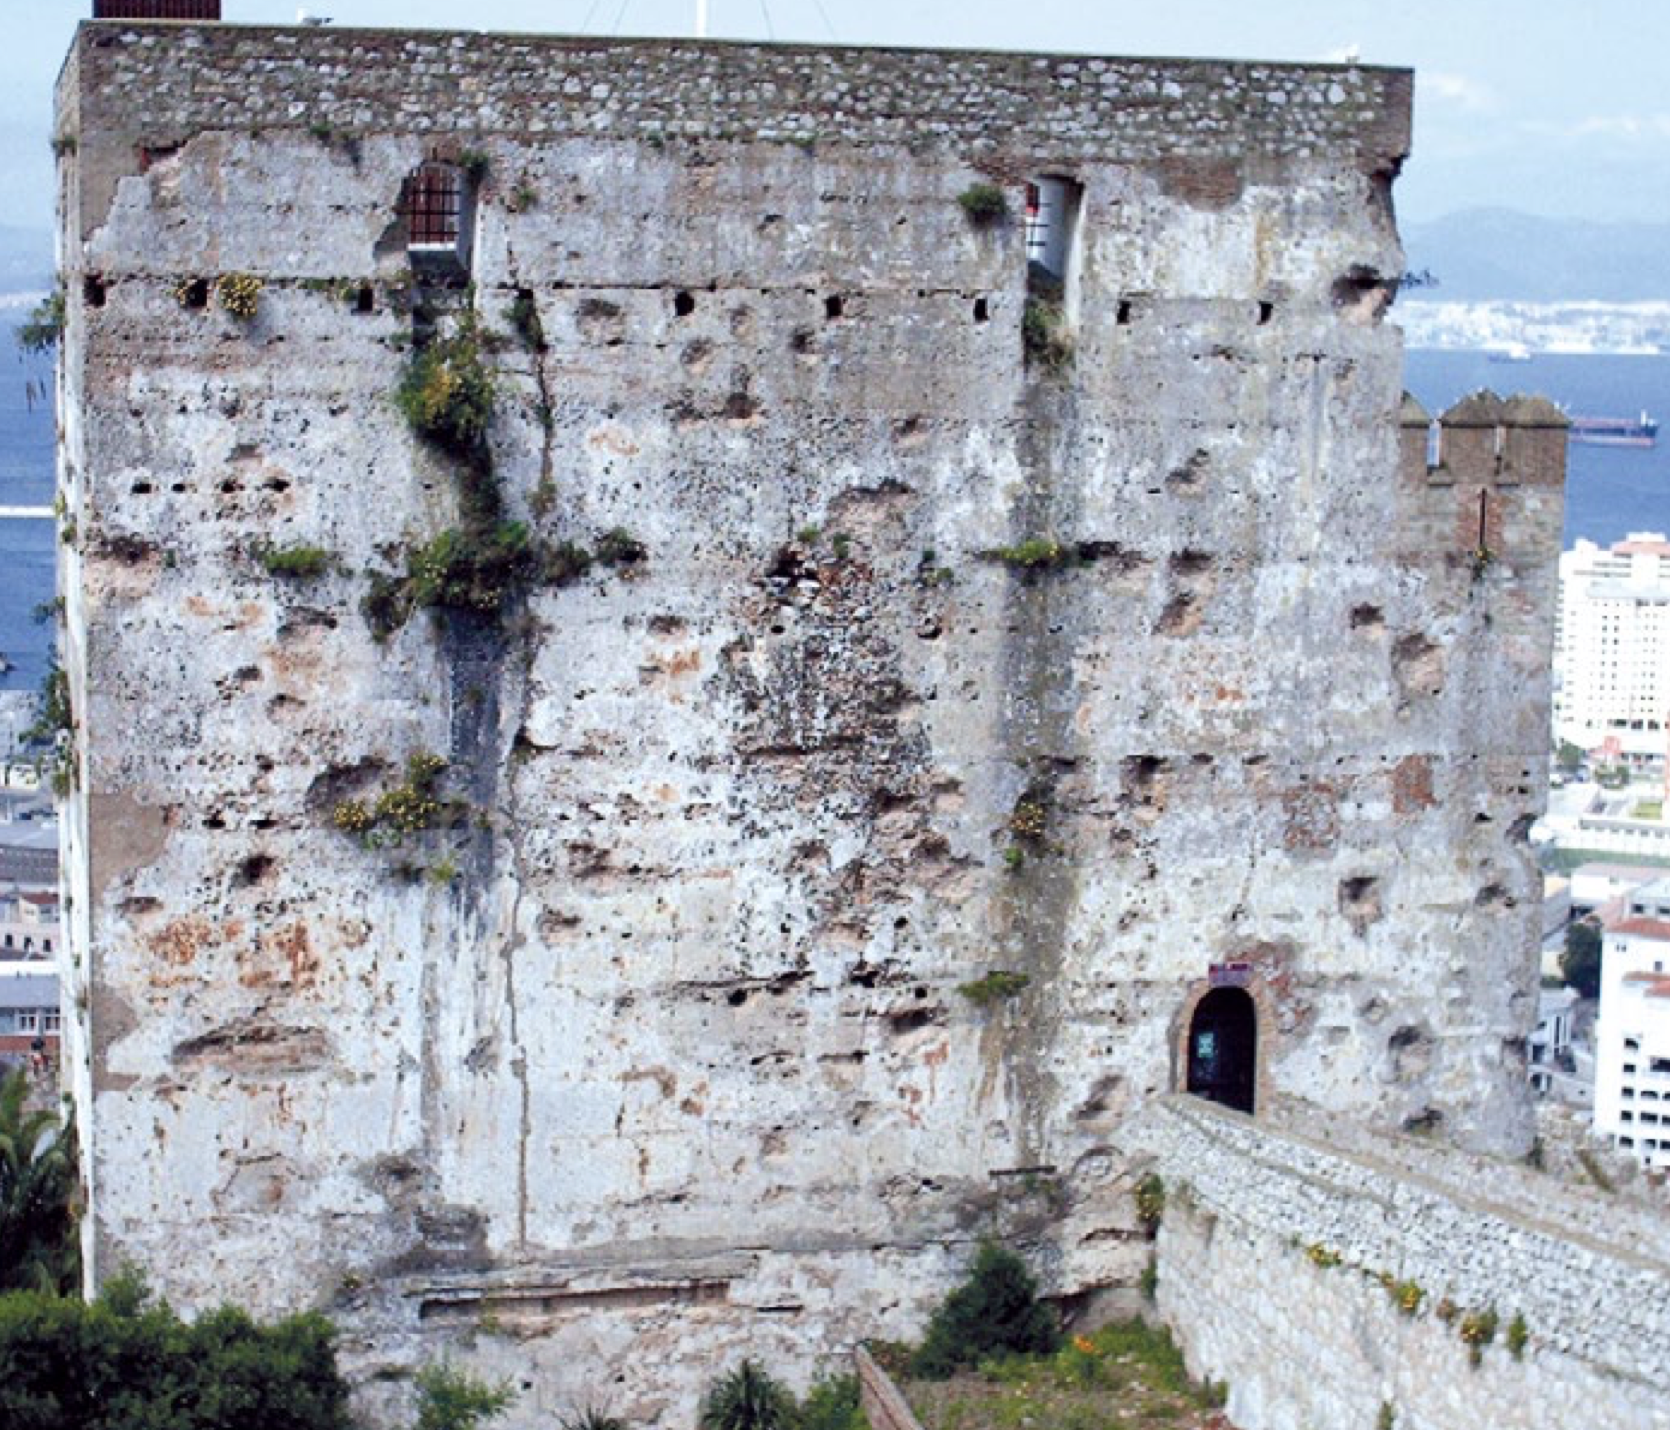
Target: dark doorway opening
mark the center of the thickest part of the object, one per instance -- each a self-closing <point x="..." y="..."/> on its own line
<point x="1223" y="1048"/>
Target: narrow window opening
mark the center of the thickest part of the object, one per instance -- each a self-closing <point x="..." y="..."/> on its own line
<point x="1052" y="237"/>
<point x="982" y="311"/>
<point x="683" y="305"/>
<point x="1484" y="521"/>
<point x="93" y="290"/>
<point x="1122" y="314"/>
<point x="834" y="306"/>
<point x="1266" y="311"/>
<point x="365" y="301"/>
<point x="195" y="294"/>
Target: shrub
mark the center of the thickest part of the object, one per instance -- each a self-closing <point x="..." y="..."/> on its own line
<point x="994" y="987"/>
<point x="469" y="569"/>
<point x="54" y="727"/>
<point x="1149" y="1282"/>
<point x="985" y="204"/>
<point x="1150" y="1197"/>
<point x="1407" y="1295"/>
<point x="451" y="1399"/>
<point x="239" y="294"/>
<point x="1044" y="339"/>
<point x="524" y="317"/>
<point x="299" y="561"/>
<point x="832" y="1404"/>
<point x="408" y="808"/>
<point x="125" y="1363"/>
<point x="747" y="1398"/>
<point x="591" y="1418"/>
<point x="619" y="547"/>
<point x="1518" y="1337"/>
<point x="1029" y="819"/>
<point x="995" y="1310"/>
<point x="447" y="393"/>
<point x="53" y="714"/>
<point x="1478" y="1330"/>
<point x="1035" y="553"/>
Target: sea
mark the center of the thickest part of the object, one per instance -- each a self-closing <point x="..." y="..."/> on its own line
<point x="1610" y="492"/>
<point x="28" y="548"/>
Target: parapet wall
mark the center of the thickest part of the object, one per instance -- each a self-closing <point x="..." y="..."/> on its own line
<point x="1280" y="1260"/>
<point x="548" y="87"/>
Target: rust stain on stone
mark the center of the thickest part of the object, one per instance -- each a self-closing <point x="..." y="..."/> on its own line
<point x="179" y="941"/>
<point x="284" y="955"/>
<point x="1311" y="816"/>
<point x="1412" y="784"/>
<point x="615" y="440"/>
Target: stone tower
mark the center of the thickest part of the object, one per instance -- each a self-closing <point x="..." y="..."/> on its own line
<point x="868" y="693"/>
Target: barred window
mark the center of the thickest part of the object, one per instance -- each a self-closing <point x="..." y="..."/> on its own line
<point x="435" y="205"/>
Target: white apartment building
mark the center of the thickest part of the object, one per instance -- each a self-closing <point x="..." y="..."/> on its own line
<point x="1549" y="1049"/>
<point x="1632" y="1033"/>
<point x="29" y="924"/>
<point x="1612" y="647"/>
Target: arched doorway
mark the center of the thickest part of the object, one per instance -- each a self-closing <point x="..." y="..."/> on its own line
<point x="1223" y="1048"/>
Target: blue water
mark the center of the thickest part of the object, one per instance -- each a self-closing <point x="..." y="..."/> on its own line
<point x="27" y="548"/>
<point x="1609" y="491"/>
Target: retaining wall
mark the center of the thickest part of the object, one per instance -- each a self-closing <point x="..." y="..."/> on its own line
<point x="1279" y="1260"/>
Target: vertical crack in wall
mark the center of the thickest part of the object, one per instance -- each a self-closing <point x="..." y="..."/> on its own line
<point x="1039" y="740"/>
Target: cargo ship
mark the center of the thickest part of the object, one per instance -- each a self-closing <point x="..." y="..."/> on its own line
<point x="1639" y="431"/>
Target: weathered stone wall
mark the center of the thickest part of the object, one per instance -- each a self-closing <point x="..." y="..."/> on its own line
<point x="659" y="1058"/>
<point x="1275" y="1250"/>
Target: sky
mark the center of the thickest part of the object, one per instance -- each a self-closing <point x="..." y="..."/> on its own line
<point x="1554" y="109"/>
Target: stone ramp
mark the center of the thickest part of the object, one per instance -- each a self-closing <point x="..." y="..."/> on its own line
<point x="1280" y="1257"/>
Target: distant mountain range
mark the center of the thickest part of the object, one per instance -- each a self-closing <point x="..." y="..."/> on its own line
<point x="1497" y="253"/>
<point x="1475" y="254"/>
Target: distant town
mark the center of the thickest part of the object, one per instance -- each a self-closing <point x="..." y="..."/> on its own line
<point x="1521" y="329"/>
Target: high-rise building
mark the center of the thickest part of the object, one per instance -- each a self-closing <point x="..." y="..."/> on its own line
<point x="1611" y="675"/>
<point x="1632" y="1033"/>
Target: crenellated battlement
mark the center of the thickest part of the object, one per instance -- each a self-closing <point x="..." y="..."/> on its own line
<point x="1485" y="440"/>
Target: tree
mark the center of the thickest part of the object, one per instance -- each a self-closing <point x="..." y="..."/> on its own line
<point x="997" y="1309"/>
<point x="124" y="1362"/>
<point x="1569" y="756"/>
<point x="1580" y="963"/>
<point x="39" y="1249"/>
